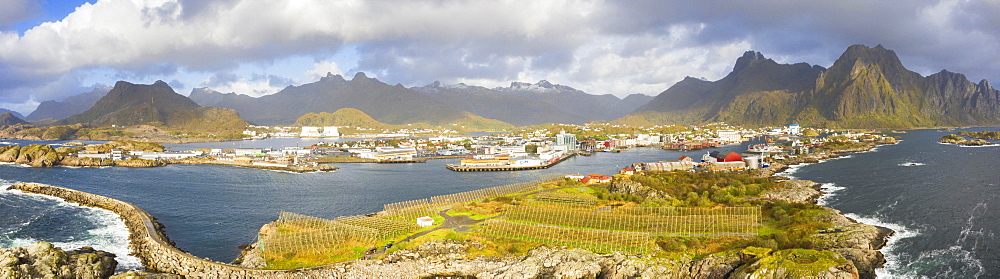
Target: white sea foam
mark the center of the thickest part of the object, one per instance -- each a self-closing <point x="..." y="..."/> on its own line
<point x="911" y="164"/>
<point x="958" y="260"/>
<point x="977" y="146"/>
<point x="829" y="190"/>
<point x="894" y="266"/>
<point x="110" y="235"/>
<point x="292" y="172"/>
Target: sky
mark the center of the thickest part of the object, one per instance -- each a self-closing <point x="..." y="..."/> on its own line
<point x="53" y="49"/>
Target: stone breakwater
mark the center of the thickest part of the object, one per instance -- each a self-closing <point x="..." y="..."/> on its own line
<point x="151" y="245"/>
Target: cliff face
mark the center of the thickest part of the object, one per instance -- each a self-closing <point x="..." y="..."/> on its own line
<point x="867" y="87"/>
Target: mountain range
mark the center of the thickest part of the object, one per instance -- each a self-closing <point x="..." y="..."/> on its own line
<point x="156" y="104"/>
<point x="531" y="104"/>
<point x="70" y="106"/>
<point x="867" y="87"/>
<point x="386" y="103"/>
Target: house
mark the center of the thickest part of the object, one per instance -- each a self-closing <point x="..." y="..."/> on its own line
<point x="310" y="132"/>
<point x="425" y="221"/>
<point x="628" y="171"/>
<point x="596" y="179"/>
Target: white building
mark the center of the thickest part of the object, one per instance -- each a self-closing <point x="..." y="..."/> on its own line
<point x="730" y="136"/>
<point x="331" y="132"/>
<point x="310" y="132"/>
<point x="168" y="155"/>
<point x="247" y="151"/>
<point x="300" y="151"/>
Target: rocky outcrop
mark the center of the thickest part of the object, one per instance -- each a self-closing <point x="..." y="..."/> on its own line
<point x="799" y="263"/>
<point x="35" y="155"/>
<point x="959" y="140"/>
<point x="797" y="191"/>
<point x="857" y="242"/>
<point x="630" y="187"/>
<point x="145" y="275"/>
<point x="139" y="163"/>
<point x="43" y="260"/>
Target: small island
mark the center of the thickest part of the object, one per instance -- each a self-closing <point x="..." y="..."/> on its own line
<point x="959" y="140"/>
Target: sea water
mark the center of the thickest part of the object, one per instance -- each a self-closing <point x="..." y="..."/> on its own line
<point x="940" y="199"/>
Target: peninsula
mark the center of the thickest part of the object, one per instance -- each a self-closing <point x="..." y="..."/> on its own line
<point x="750" y="226"/>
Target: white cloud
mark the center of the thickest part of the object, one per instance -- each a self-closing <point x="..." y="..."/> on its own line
<point x="320" y="69"/>
<point x="597" y="46"/>
<point x="254" y="88"/>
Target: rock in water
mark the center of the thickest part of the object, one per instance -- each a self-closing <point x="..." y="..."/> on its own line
<point x="43" y="260"/>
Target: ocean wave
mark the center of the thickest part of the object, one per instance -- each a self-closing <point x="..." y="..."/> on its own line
<point x="911" y="164"/>
<point x="958" y="260"/>
<point x="829" y="190"/>
<point x="791" y="170"/>
<point x="894" y="266"/>
<point x="110" y="234"/>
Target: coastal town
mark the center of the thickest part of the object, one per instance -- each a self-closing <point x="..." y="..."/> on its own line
<point x="298" y="234"/>
<point x="525" y="150"/>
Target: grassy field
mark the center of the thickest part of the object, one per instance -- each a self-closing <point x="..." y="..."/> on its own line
<point x="701" y="213"/>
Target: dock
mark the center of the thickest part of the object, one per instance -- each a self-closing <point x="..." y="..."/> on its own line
<point x="402" y="161"/>
<point x="458" y="167"/>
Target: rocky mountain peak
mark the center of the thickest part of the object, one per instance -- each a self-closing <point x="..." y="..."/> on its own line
<point x="160" y="83"/>
<point x="749" y="58"/>
<point x="871" y="55"/>
<point x="360" y="76"/>
<point x="985" y="85"/>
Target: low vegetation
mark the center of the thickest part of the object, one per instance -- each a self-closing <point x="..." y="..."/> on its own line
<point x="705" y="213"/>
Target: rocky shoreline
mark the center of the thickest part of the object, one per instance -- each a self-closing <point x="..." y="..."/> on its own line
<point x="41" y="155"/>
<point x="851" y="246"/>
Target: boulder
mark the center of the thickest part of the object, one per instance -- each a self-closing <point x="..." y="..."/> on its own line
<point x="43" y="260"/>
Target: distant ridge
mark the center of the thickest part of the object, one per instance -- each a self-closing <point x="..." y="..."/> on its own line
<point x="13" y="113"/>
<point x="531" y="104"/>
<point x="8" y="119"/>
<point x="68" y="107"/>
<point x="867" y="87"/>
<point x="385" y="103"/>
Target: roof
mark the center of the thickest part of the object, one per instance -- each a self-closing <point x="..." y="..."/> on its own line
<point x="733" y="157"/>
